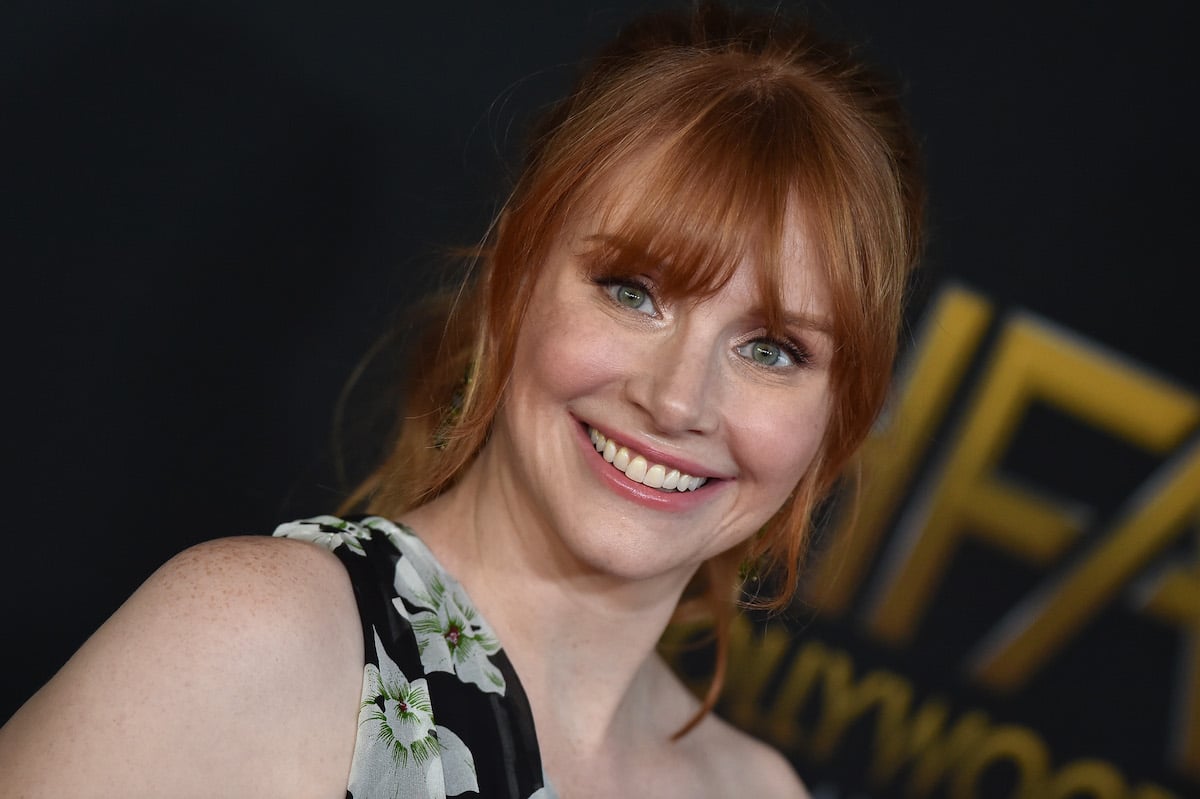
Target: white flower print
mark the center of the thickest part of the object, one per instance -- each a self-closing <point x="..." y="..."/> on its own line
<point x="328" y="531"/>
<point x="400" y="752"/>
<point x="451" y="635"/>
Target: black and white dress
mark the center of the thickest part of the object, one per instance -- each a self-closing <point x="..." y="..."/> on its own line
<point x="442" y="711"/>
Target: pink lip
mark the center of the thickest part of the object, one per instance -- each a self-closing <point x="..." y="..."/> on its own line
<point x="636" y="492"/>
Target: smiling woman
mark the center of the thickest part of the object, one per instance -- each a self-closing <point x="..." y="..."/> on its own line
<point x="678" y="331"/>
<point x="673" y="384"/>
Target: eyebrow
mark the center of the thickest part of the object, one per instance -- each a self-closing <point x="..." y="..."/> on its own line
<point x="822" y="324"/>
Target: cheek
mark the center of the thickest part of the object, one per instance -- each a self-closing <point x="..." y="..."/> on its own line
<point x="777" y="441"/>
<point x="561" y="356"/>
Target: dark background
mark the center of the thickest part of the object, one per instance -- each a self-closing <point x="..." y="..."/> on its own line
<point x="211" y="211"/>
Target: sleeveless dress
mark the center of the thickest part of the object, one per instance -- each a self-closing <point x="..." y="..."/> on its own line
<point x="442" y="711"/>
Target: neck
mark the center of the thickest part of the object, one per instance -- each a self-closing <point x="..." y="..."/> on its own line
<point x="582" y="641"/>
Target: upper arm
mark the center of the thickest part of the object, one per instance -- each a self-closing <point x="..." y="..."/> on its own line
<point x="234" y="670"/>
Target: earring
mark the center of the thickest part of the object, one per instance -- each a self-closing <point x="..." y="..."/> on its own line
<point x="441" y="436"/>
<point x="748" y="570"/>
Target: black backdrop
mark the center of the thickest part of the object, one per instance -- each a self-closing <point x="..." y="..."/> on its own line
<point x="212" y="210"/>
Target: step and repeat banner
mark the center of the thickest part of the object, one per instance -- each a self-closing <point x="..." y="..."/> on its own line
<point x="213" y="211"/>
<point x="1011" y="608"/>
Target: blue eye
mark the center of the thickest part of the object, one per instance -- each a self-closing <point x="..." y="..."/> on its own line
<point x="632" y="296"/>
<point x="768" y="353"/>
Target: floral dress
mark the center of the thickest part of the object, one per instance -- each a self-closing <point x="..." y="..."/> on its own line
<point x="442" y="711"/>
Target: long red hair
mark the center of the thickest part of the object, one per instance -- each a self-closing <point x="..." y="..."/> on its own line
<point x="746" y="116"/>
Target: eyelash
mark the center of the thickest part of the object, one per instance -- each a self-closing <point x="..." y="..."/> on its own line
<point x="612" y="285"/>
<point x="799" y="356"/>
<point x="796" y="353"/>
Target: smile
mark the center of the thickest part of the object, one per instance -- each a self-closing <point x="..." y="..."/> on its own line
<point x="639" y="470"/>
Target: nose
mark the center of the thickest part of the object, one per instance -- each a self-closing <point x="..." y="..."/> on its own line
<point x="676" y="382"/>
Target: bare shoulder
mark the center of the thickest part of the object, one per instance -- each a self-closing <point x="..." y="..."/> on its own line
<point x="234" y="669"/>
<point x="237" y="574"/>
<point x="234" y="601"/>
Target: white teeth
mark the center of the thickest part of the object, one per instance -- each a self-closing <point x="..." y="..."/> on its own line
<point x="636" y="470"/>
<point x="639" y="470"/>
<point x="621" y="461"/>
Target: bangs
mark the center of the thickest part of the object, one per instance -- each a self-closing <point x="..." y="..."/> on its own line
<point x="700" y="144"/>
<point x="696" y="203"/>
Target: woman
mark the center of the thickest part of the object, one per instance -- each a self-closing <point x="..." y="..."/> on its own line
<point x="681" y="329"/>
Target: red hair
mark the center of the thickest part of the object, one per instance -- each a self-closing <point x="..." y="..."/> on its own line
<point x="741" y="120"/>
